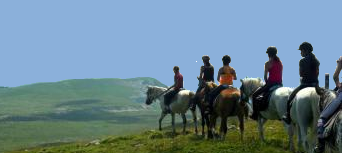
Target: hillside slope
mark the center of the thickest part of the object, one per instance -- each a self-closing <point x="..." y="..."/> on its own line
<point x="74" y="110"/>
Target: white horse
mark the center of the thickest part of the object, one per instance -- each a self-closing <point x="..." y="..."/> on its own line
<point x="276" y="108"/>
<point x="179" y="104"/>
<point x="305" y="112"/>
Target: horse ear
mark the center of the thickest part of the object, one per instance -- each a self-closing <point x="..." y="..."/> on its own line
<point x="241" y="80"/>
<point x="149" y="87"/>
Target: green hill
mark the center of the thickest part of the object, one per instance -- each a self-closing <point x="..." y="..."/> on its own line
<point x="164" y="142"/>
<point x="74" y="110"/>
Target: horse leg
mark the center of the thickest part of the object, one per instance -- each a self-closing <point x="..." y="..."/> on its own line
<point x="162" y="115"/>
<point x="290" y="133"/>
<point x="242" y="125"/>
<point x="299" y="138"/>
<point x="173" y="123"/>
<point x="305" y="143"/>
<point x="261" y="122"/>
<point x="207" y="121"/>
<point x="184" y="122"/>
<point x="223" y="128"/>
<point x="213" y="125"/>
<point x="203" y="122"/>
<point x="195" y="120"/>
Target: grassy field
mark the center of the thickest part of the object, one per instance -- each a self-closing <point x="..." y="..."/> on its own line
<point x="152" y="141"/>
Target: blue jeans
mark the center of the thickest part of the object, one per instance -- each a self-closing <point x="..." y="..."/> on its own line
<point x="332" y="107"/>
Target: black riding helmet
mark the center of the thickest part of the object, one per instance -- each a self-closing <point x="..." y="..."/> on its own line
<point x="306" y="46"/>
<point x="272" y="50"/>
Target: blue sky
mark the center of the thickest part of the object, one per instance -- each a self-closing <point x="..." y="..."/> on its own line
<point x="49" y="41"/>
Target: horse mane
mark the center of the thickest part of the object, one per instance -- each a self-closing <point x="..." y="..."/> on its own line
<point x="211" y="84"/>
<point x="251" y="83"/>
<point x="326" y="98"/>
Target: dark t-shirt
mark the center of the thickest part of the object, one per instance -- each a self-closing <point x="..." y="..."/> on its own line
<point x="308" y="67"/>
<point x="208" y="72"/>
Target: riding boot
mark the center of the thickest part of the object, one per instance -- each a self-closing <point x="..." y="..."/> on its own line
<point x="287" y="118"/>
<point x="320" y="146"/>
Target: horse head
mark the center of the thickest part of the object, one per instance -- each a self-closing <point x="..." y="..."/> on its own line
<point x="248" y="87"/>
<point x="149" y="98"/>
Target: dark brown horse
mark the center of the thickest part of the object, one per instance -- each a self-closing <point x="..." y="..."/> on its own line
<point x="226" y="104"/>
<point x="199" y="100"/>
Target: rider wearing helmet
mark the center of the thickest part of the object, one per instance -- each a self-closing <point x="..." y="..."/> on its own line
<point x="308" y="71"/>
<point x="226" y="75"/>
<point x="274" y="68"/>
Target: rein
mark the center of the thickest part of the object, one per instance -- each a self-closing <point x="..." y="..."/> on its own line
<point x="159" y="94"/>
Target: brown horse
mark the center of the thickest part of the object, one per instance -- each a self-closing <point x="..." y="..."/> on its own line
<point x="226" y="104"/>
<point x="199" y="100"/>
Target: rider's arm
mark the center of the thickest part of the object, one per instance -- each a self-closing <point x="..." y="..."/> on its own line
<point x="266" y="71"/>
<point x="201" y="72"/>
<point x="301" y="65"/>
<point x="337" y="72"/>
<point x="234" y="74"/>
<point x="219" y="74"/>
<point x="317" y="68"/>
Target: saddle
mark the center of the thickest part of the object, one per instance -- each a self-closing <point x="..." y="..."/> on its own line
<point x="261" y="101"/>
<point x="329" y="127"/>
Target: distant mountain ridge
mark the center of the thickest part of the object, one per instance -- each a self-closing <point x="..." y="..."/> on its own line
<point x="74" y="110"/>
<point x="110" y="92"/>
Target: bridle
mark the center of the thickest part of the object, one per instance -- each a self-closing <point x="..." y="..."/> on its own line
<point x="154" y="97"/>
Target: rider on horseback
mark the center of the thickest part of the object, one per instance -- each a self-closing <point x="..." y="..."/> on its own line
<point x="174" y="89"/>
<point x="226" y="75"/>
<point x="206" y="74"/>
<point x="274" y="67"/>
<point x="330" y="109"/>
<point x="308" y="71"/>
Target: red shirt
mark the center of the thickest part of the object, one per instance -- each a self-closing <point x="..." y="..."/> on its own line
<point x="275" y="71"/>
<point x="178" y="80"/>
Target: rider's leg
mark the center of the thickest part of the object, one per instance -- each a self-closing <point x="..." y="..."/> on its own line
<point x="211" y="97"/>
<point x="195" y="99"/>
<point x="286" y="117"/>
<point x="331" y="108"/>
<point x="256" y="94"/>
<point x="167" y="100"/>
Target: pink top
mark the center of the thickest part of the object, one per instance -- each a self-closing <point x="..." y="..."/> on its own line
<point x="276" y="72"/>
